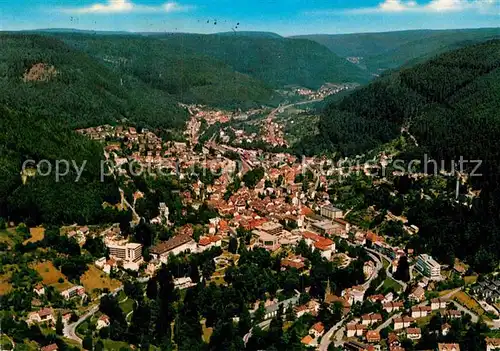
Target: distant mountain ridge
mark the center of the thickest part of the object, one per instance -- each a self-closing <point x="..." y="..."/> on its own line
<point x="390" y="50"/>
<point x="275" y="61"/>
<point x="251" y="34"/>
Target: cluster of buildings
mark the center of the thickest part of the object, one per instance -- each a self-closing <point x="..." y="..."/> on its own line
<point x="48" y="316"/>
<point x="325" y="91"/>
<point x="488" y="290"/>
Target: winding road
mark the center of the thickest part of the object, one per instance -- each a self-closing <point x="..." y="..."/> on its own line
<point x="69" y="330"/>
<point x="336" y="329"/>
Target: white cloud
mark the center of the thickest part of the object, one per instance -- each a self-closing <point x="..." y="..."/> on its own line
<point x="125" y="6"/>
<point x="491" y="7"/>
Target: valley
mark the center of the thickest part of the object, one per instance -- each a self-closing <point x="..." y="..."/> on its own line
<point x="249" y="192"/>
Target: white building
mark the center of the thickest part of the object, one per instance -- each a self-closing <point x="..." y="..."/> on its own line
<point x="76" y="290"/>
<point x="45" y="315"/>
<point x="331" y="212"/>
<point x="102" y="322"/>
<point x="428" y="267"/>
<point x="174" y="246"/>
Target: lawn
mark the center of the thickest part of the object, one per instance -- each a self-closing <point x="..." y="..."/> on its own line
<point x="37" y="234"/>
<point x="445" y="292"/>
<point x="94" y="278"/>
<point x="391" y="283"/>
<point x="464" y="299"/>
<point x="114" y="345"/>
<point x="471" y="279"/>
<point x="422" y="322"/>
<point x="385" y="263"/>
<point x="51" y="276"/>
<point x="5" y="343"/>
<point x="127" y="306"/>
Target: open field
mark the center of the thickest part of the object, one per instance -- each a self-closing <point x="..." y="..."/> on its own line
<point x="391" y="283"/>
<point x="464" y="299"/>
<point x="51" y="276"/>
<point x="37" y="234"/>
<point x="97" y="279"/>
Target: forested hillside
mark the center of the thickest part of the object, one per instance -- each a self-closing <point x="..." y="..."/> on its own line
<point x="277" y="62"/>
<point x="452" y="107"/>
<point x="41" y="199"/>
<point x="48" y="89"/>
<point x="187" y="76"/>
<point x="381" y="51"/>
<point x="42" y="75"/>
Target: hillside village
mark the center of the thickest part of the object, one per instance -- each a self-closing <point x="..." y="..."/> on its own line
<point x="248" y="200"/>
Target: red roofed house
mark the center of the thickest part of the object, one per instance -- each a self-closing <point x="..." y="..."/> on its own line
<point x="293" y="262"/>
<point x="413" y="333"/>
<point x="403" y="322"/>
<point x="355" y="330"/>
<point x="312" y="307"/>
<point x="418" y="294"/>
<point x="207" y="242"/>
<point x="437" y="304"/>
<point x="102" y="322"/>
<point x="371" y="318"/>
<point x="39" y="290"/>
<point x="51" y="347"/>
<point x="317" y="330"/>
<point x="450" y="347"/>
<point x="373" y="336"/>
<point x="492" y="344"/>
<point x="393" y="306"/>
<point x="420" y="311"/>
<point x="45" y="315"/>
<point x="307" y="340"/>
<point x="317" y="242"/>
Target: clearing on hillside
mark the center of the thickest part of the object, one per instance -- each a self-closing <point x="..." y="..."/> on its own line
<point x="51" y="276"/>
<point x="97" y="279"/>
<point x="37" y="234"/>
<point x="39" y="72"/>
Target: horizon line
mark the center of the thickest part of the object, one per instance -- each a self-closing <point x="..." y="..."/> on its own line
<point x="55" y="30"/>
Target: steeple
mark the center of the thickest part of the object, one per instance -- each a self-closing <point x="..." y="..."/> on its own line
<point x="328" y="290"/>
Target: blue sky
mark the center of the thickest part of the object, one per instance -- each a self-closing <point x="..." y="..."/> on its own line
<point x="286" y="17"/>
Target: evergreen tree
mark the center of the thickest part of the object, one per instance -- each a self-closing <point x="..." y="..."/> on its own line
<point x="59" y="324"/>
<point x="233" y="245"/>
<point x="245" y="322"/>
<point x="99" y="345"/>
<point x="403" y="270"/>
<point x="87" y="343"/>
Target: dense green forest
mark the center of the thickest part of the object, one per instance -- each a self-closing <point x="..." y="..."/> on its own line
<point x="43" y="199"/>
<point x="69" y="86"/>
<point x="452" y="107"/>
<point x="188" y="77"/>
<point x="277" y="62"/>
<point x="391" y="50"/>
